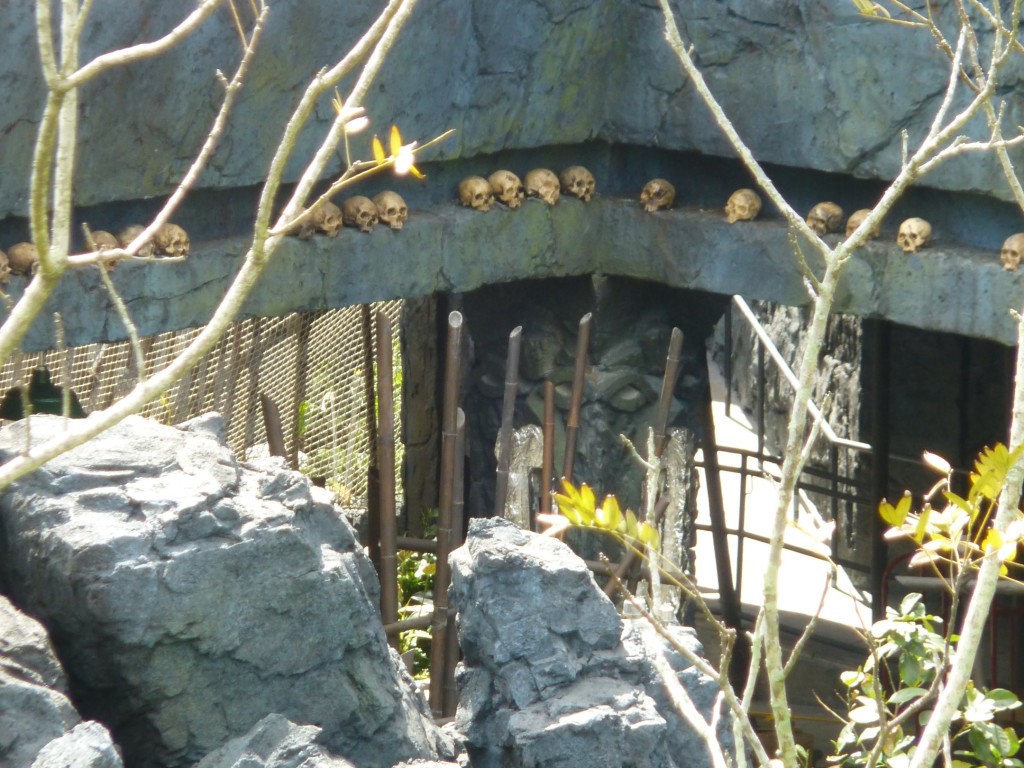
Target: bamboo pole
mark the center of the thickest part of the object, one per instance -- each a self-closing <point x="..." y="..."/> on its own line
<point x="508" y="408"/>
<point x="373" y="471"/>
<point x="548" y="459"/>
<point x="572" y="424"/>
<point x="386" y="463"/>
<point x="668" y="385"/>
<point x="272" y="426"/>
<point x="442" y="574"/>
<point x="451" y="651"/>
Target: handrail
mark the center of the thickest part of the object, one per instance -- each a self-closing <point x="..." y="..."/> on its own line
<point x="787" y="372"/>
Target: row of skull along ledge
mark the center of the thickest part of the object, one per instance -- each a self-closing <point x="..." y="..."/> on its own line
<point x="478" y="193"/>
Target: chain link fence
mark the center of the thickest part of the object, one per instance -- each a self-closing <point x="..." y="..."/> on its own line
<point x="311" y="364"/>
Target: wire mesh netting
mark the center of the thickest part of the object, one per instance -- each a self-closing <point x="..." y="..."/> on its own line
<point x="312" y="365"/>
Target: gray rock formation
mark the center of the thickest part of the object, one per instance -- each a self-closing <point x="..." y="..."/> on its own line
<point x="274" y="742"/>
<point x="39" y="726"/>
<point x="190" y="596"/>
<point x="551" y="675"/>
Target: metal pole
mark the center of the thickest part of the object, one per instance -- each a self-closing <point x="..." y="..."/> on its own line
<point x="727" y="351"/>
<point x="442" y="574"/>
<point x="572" y="424"/>
<point x="730" y="604"/>
<point x="508" y="409"/>
<point x="373" y="470"/>
<point x="386" y="463"/>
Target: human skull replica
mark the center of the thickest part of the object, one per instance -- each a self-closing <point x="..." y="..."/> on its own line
<point x="825" y="218"/>
<point x="359" y="212"/>
<point x="578" y="182"/>
<point x="542" y="183"/>
<point x="1011" y="252"/>
<point x="326" y="218"/>
<point x="475" y="192"/>
<point x="22" y="259"/>
<point x="742" y="205"/>
<point x="914" y="233"/>
<point x="171" y="240"/>
<point x="5" y="268"/>
<point x="391" y="209"/>
<point x="507" y="188"/>
<point x="657" y="195"/>
<point x="856" y="219"/>
<point x="103" y="240"/>
<point x="129" y="233"/>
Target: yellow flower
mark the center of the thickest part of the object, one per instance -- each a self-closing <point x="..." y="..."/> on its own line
<point x="403" y="156"/>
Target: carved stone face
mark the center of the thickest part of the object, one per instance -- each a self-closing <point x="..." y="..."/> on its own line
<point x="475" y="192"/>
<point x="1011" y="252"/>
<point x="391" y="209"/>
<point x="326" y="218"/>
<point x="22" y="259"/>
<point x="855" y="220"/>
<point x="914" y="233"/>
<point x="507" y="188"/>
<point x="743" y="205"/>
<point x="542" y="183"/>
<point x="172" y="240"/>
<point x="578" y="182"/>
<point x="5" y="267"/>
<point x="129" y="233"/>
<point x="657" y="195"/>
<point x="825" y="218"/>
<point x="359" y="212"/>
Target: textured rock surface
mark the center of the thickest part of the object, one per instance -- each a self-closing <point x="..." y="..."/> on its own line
<point x="455" y="249"/>
<point x="551" y="676"/>
<point x="190" y="596"/>
<point x="808" y="84"/>
<point x="39" y="726"/>
<point x="274" y="742"/>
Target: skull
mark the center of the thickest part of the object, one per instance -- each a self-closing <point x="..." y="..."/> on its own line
<point x="542" y="183"/>
<point x="855" y="220"/>
<point x="657" y="194"/>
<point x="104" y="241"/>
<point x="5" y="268"/>
<point x="22" y="259"/>
<point x="578" y="182"/>
<point x="475" y="192"/>
<point x="743" y="205"/>
<point x="129" y="233"/>
<point x="391" y="209"/>
<point x="172" y="240"/>
<point x="326" y="218"/>
<point x="914" y="233"/>
<point x="359" y="212"/>
<point x="1011" y="252"/>
<point x="507" y="187"/>
<point x="825" y="218"/>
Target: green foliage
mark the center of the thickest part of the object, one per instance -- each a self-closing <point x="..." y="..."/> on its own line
<point x="892" y="693"/>
<point x="415" y="596"/>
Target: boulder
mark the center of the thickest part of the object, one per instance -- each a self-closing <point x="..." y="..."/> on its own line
<point x="39" y="726"/>
<point x="189" y="596"/>
<point x="274" y="742"/>
<point x="551" y="675"/>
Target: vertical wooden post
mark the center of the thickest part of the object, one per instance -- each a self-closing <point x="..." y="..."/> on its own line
<point x="451" y="694"/>
<point x="442" y="574"/>
<point x="879" y="462"/>
<point x="668" y="385"/>
<point x="548" y="459"/>
<point x="572" y="424"/>
<point x="386" y="464"/>
<point x="373" y="513"/>
<point x="508" y="408"/>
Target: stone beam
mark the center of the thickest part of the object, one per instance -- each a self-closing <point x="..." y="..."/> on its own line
<point x="452" y="249"/>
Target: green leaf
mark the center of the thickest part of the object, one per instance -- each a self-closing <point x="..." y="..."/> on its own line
<point x="989" y="741"/>
<point x="850" y="678"/>
<point x="1003" y="699"/>
<point x="903" y="695"/>
<point x="866" y="713"/>
<point x="910" y="602"/>
<point x="895" y="516"/>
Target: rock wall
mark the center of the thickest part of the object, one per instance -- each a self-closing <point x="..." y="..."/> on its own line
<point x="190" y="596"/>
<point x="809" y="85"/>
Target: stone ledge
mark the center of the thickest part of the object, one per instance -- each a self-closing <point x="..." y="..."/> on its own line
<point x="452" y="249"/>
